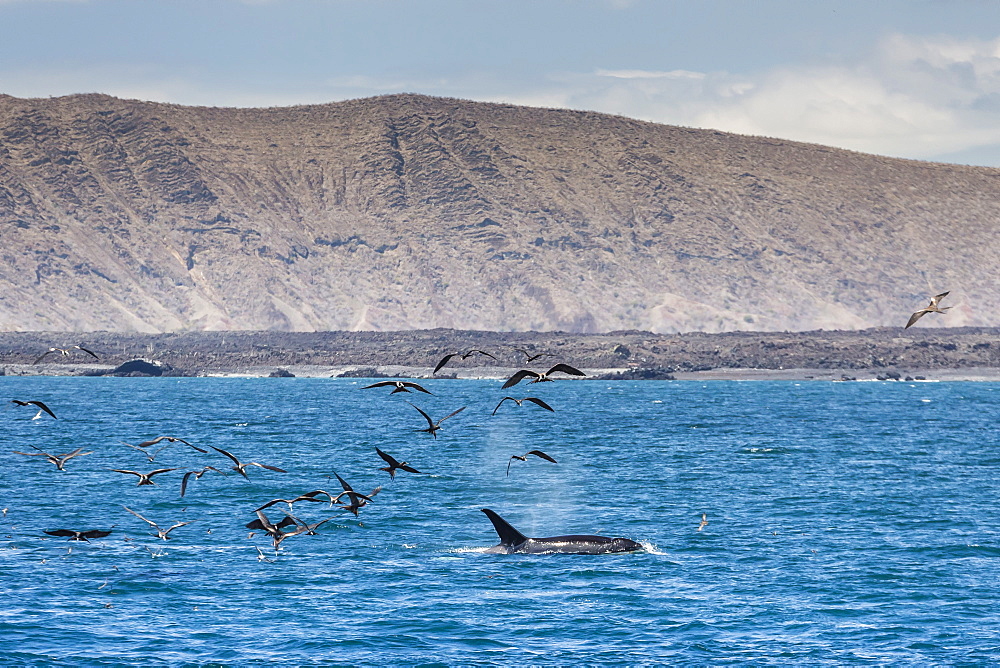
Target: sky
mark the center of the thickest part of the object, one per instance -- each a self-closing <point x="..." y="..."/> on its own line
<point x="914" y="79"/>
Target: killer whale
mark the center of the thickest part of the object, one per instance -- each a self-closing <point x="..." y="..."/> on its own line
<point x="513" y="541"/>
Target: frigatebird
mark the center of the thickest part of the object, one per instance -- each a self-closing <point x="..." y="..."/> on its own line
<point x="444" y="360"/>
<point x="540" y="377"/>
<point x="524" y="458"/>
<point x="432" y="426"/>
<point x="534" y="400"/>
<point x="930" y="308"/>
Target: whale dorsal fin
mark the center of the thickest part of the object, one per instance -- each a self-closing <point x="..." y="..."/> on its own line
<point x="508" y="534"/>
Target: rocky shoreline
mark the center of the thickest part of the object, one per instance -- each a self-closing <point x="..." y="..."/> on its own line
<point x="886" y="353"/>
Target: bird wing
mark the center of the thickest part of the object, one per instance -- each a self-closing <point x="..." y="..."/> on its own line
<point x="354" y="496"/>
<point x="43" y="407"/>
<point x="127" y="471"/>
<point x="565" y="368"/>
<point x="158" y="471"/>
<point x="75" y="453"/>
<point x="264" y="523"/>
<point x="307" y="498"/>
<point x="387" y="458"/>
<point x="315" y="493"/>
<point x="511" y="461"/>
<point x="415" y="387"/>
<point x="256" y="524"/>
<point x="481" y="352"/>
<point x="269" y="504"/>
<point x="179" y="524"/>
<point x="383" y="383"/>
<point x="406" y="467"/>
<point x="89" y="352"/>
<point x="94" y="533"/>
<point x="313" y="527"/>
<point x="149" y="522"/>
<point x="937" y="298"/>
<point x="146" y="444"/>
<point x="181" y="440"/>
<point x="268" y="467"/>
<point x="518" y="377"/>
<point x="70" y="455"/>
<point x="444" y="360"/>
<point x="61" y="532"/>
<point x="539" y="402"/>
<point x="916" y="316"/>
<point x="501" y="402"/>
<point x="227" y="454"/>
<point x="42" y="356"/>
<point x="539" y="453"/>
<point x="343" y="483"/>
<point x="184" y="481"/>
<point x="30" y="454"/>
<point x="451" y="414"/>
<point x="430" y="422"/>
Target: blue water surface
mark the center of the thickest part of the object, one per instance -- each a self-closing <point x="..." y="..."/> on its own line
<point x="847" y="523"/>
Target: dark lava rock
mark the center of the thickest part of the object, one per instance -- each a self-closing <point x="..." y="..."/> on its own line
<point x="643" y="373"/>
<point x="363" y="372"/>
<point x="281" y="373"/>
<point x="141" y="367"/>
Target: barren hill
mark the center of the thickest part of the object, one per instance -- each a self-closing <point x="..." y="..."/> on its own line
<point x="405" y="212"/>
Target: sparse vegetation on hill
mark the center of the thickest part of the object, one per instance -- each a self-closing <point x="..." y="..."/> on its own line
<point x="407" y="212"/>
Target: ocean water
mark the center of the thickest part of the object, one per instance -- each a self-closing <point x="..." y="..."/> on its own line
<point x="848" y="523"/>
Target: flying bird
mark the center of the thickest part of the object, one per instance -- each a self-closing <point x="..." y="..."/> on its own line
<point x="197" y="476"/>
<point x="241" y="467"/>
<point x="531" y="358"/>
<point x="308" y="496"/>
<point x="144" y="478"/>
<point x="704" y="521"/>
<point x="393" y="465"/>
<point x="168" y="439"/>
<point x="541" y="377"/>
<point x="930" y="308"/>
<point x="358" y="500"/>
<point x="58" y="460"/>
<point x="39" y="404"/>
<point x="65" y="352"/>
<point x="307" y="529"/>
<point x="434" y="427"/>
<point x="524" y="458"/>
<point x="400" y="385"/>
<point x="444" y="360"/>
<point x="79" y="535"/>
<point x="534" y="400"/>
<point x="160" y="533"/>
<point x="262" y="523"/>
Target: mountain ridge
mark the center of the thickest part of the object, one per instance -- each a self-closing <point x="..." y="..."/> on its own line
<point x="412" y="212"/>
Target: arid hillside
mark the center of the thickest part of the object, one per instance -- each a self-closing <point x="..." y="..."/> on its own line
<point x="408" y="212"/>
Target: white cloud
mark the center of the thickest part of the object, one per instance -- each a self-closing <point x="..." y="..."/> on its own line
<point x="650" y="74"/>
<point x="913" y="97"/>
